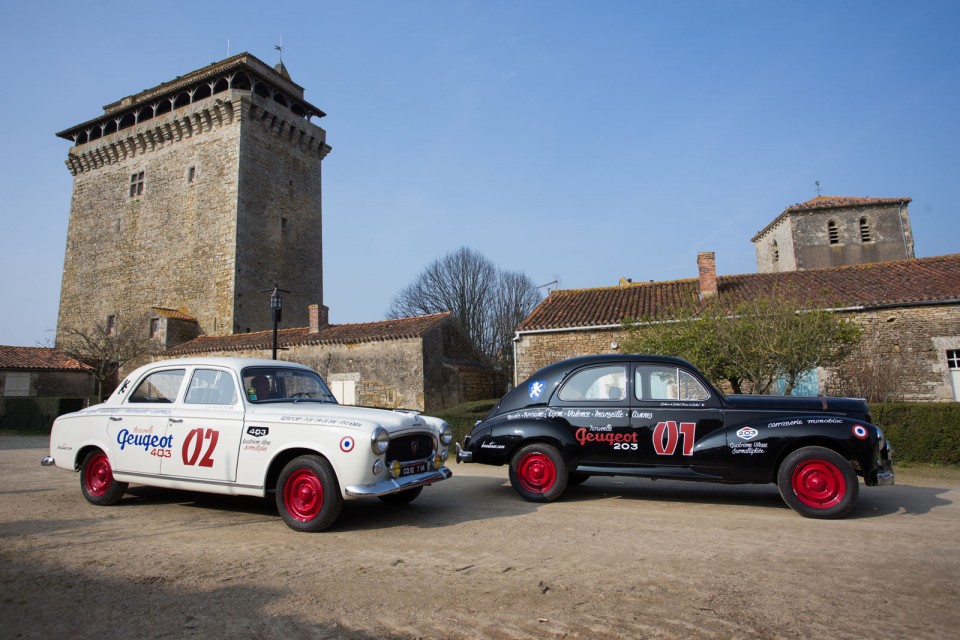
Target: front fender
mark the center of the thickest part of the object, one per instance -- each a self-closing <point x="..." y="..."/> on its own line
<point x="758" y="447"/>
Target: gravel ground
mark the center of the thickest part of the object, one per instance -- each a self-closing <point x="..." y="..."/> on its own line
<point x="615" y="558"/>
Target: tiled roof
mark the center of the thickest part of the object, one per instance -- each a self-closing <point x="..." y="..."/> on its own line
<point x="38" y="358"/>
<point x="922" y="280"/>
<point x="829" y="202"/>
<point x="398" y="329"/>
<point x="173" y="314"/>
<point x="836" y="202"/>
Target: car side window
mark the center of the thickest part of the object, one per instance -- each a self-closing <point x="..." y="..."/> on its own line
<point x="598" y="383"/>
<point x="159" y="386"/>
<point x="211" y="386"/>
<point x="667" y="383"/>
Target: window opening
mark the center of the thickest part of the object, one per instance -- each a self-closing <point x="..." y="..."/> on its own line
<point x="776" y="252"/>
<point x="597" y="383"/>
<point x="833" y="232"/>
<point x="136" y="184"/>
<point x="111" y="325"/>
<point x="161" y="386"/>
<point x="191" y="175"/>
<point x="864" y="230"/>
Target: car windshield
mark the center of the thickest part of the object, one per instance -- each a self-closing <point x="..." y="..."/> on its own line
<point x="284" y="384"/>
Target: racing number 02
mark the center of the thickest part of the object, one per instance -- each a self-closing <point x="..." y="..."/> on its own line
<point x="667" y="434"/>
<point x="196" y="437"/>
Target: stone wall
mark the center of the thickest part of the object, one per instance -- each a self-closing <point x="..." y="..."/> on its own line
<point x="912" y="340"/>
<point x="171" y="246"/>
<point x="279" y="238"/>
<point x="230" y="206"/>
<point x="536" y="350"/>
<point x="56" y="384"/>
<point x="803" y="240"/>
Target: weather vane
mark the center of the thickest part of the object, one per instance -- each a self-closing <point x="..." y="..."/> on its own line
<point x="279" y="47"/>
<point x="818" y="187"/>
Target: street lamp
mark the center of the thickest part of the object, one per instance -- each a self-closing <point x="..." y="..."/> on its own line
<point x="276" y="306"/>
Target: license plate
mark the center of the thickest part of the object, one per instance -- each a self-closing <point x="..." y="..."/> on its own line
<point x="409" y="470"/>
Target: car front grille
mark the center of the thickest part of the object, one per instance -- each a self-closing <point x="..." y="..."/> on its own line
<point x="412" y="447"/>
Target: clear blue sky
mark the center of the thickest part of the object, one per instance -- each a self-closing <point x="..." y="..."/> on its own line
<point x="582" y="141"/>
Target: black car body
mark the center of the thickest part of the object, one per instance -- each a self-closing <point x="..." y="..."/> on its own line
<point x="658" y="417"/>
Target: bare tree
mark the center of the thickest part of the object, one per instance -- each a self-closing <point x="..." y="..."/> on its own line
<point x="486" y="301"/>
<point x="106" y="346"/>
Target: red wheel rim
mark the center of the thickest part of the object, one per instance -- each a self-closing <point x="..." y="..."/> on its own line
<point x="303" y="495"/>
<point x="819" y="484"/>
<point x="98" y="475"/>
<point x="536" y="472"/>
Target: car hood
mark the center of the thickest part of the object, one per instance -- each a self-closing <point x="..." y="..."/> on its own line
<point x="340" y="415"/>
<point x="800" y="404"/>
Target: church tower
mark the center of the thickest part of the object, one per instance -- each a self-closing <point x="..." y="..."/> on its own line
<point x="192" y="198"/>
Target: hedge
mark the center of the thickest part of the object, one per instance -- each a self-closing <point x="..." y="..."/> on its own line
<point x="921" y="432"/>
<point x="34" y="415"/>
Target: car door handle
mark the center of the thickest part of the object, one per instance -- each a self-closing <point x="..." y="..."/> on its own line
<point x="176" y="419"/>
<point x="116" y="419"/>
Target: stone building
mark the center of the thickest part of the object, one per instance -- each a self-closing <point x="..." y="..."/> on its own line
<point x="909" y="311"/>
<point x="194" y="197"/>
<point x="831" y="231"/>
<point x="424" y="363"/>
<point x="42" y="372"/>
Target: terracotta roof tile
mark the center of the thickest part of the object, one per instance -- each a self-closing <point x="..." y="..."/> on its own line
<point x="922" y="280"/>
<point x="398" y="329"/>
<point x="173" y="314"/>
<point x="38" y="358"/>
<point x="836" y="202"/>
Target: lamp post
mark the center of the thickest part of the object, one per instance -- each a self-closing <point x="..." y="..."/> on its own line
<point x="276" y="306"/>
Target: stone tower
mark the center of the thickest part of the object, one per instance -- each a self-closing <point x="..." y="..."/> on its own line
<point x="195" y="196"/>
<point x="831" y="231"/>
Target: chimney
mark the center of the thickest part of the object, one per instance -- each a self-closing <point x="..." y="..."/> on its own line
<point x="319" y="317"/>
<point x="707" y="266"/>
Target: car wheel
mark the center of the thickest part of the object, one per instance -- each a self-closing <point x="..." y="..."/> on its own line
<point x="402" y="497"/>
<point x="97" y="482"/>
<point x="818" y="483"/>
<point x="308" y="495"/>
<point x="538" y="473"/>
<point x="574" y="478"/>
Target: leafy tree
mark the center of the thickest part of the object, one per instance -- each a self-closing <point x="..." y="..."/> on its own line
<point x="105" y="347"/>
<point x="752" y="345"/>
<point x="489" y="303"/>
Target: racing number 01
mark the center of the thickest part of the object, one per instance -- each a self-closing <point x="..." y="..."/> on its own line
<point x="196" y="437"/>
<point x="667" y="434"/>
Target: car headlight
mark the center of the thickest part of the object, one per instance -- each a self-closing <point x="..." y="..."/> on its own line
<point x="379" y="441"/>
<point x="446" y="434"/>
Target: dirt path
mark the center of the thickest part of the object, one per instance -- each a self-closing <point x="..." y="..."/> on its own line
<point x="616" y="558"/>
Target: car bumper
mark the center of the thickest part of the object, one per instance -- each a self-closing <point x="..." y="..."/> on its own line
<point x="463" y="455"/>
<point x="395" y="485"/>
<point x="48" y="461"/>
<point x="883" y="476"/>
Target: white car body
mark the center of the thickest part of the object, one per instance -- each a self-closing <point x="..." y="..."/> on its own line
<point x="212" y="433"/>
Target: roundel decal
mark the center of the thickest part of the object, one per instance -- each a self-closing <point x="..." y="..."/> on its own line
<point x="346" y="444"/>
<point x="860" y="431"/>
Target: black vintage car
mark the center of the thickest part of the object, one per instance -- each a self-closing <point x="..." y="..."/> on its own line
<point x="658" y="417"/>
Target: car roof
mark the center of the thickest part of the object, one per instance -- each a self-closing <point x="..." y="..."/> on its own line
<point x="237" y="364"/>
<point x="559" y="368"/>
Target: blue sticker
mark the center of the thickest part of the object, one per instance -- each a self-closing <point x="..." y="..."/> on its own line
<point x="536" y="389"/>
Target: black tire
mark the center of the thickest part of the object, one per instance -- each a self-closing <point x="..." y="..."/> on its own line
<point x="401" y="497"/>
<point x="817" y="482"/>
<point x="574" y="478"/>
<point x="97" y="482"/>
<point x="308" y="494"/>
<point x="538" y="473"/>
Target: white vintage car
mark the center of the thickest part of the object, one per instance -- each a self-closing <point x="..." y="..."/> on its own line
<point x="248" y="427"/>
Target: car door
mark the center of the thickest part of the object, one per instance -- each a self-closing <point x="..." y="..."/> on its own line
<point x="594" y="403"/>
<point x="138" y="427"/>
<point x="206" y="427"/>
<point x="677" y="418"/>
